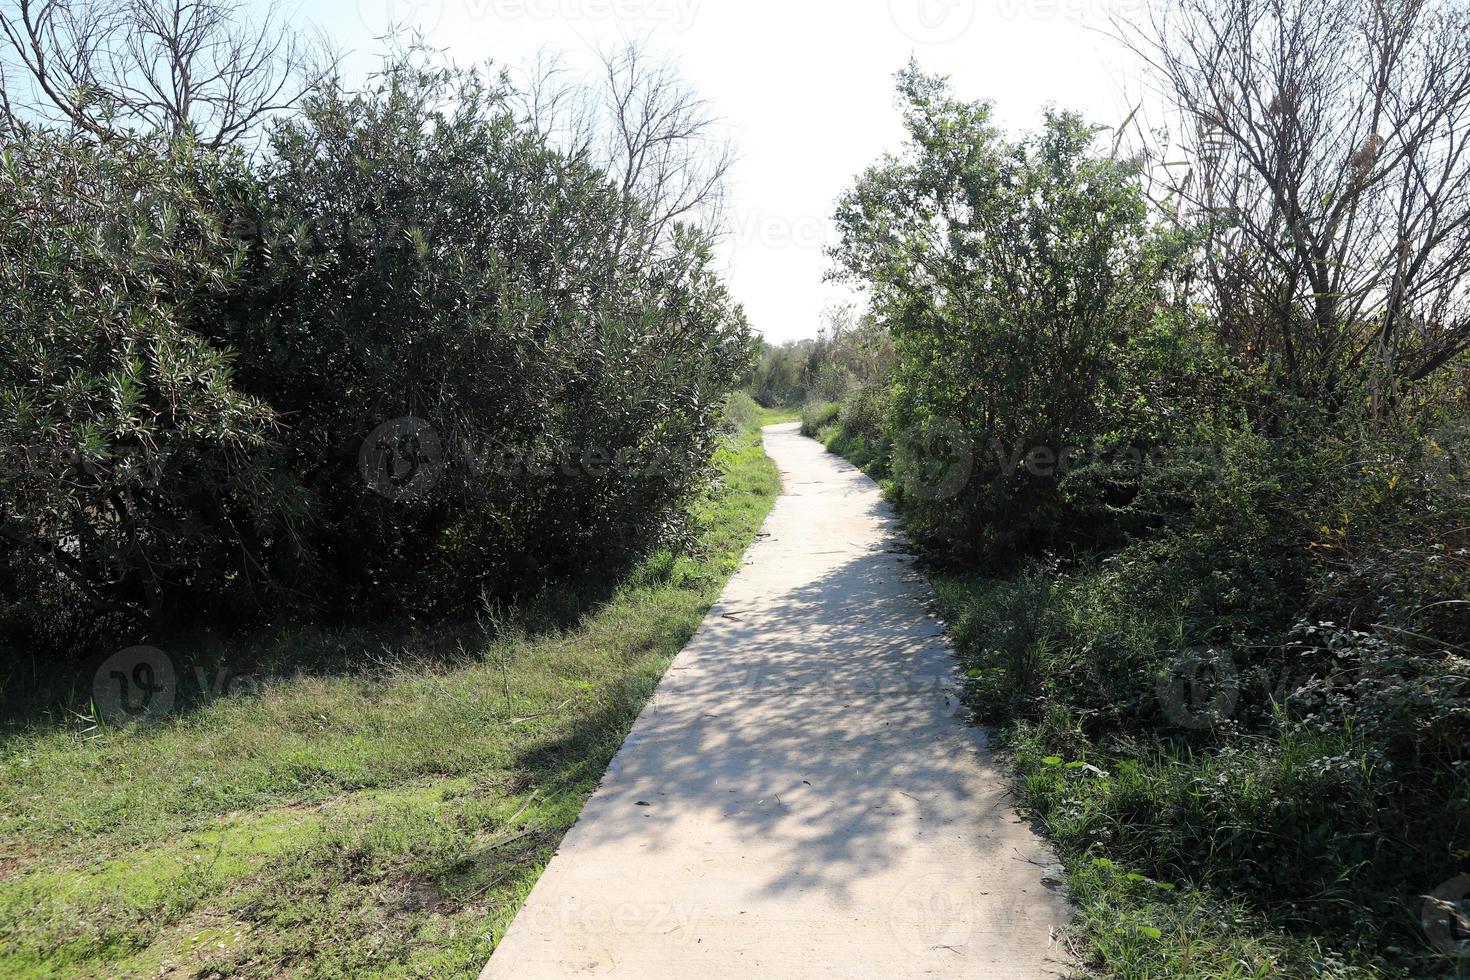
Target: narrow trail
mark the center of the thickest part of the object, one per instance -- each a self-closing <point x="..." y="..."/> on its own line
<point x="801" y="797"/>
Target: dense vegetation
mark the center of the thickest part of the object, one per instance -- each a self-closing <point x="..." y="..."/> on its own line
<point x="1187" y="447"/>
<point x="1200" y="531"/>
<point x="413" y="357"/>
<point x="847" y="351"/>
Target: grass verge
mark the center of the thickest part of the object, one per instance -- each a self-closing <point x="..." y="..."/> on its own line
<point x="1130" y="817"/>
<point x="381" y="821"/>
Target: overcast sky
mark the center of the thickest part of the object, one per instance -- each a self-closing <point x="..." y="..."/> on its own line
<point x="806" y="87"/>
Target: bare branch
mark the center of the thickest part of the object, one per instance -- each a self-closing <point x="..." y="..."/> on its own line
<point x="1329" y="169"/>
<point x="202" y="67"/>
<point x="645" y="126"/>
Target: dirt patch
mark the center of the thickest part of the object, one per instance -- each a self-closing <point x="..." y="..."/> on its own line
<point x="16" y="858"/>
<point x="407" y="895"/>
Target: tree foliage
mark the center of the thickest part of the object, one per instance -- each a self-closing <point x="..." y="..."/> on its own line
<point x="1215" y="459"/>
<point x="128" y="443"/>
<point x="405" y="362"/>
<point x="1011" y="275"/>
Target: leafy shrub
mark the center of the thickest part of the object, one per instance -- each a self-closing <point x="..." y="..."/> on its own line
<point x="134" y="460"/>
<point x="1013" y="277"/>
<point x="848" y="350"/>
<point x="455" y="270"/>
<point x="414" y="358"/>
<point x="780" y="375"/>
<point x="741" y="413"/>
<point x="818" y="417"/>
<point x="1228" y="637"/>
<point x="1280" y="709"/>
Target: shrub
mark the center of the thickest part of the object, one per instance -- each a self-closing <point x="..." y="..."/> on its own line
<point x="818" y="417"/>
<point x="429" y="258"/>
<point x="1013" y="277"/>
<point x="1274" y="686"/>
<point x="135" y="463"/>
<point x="848" y="350"/>
<point x="1228" y="638"/>
<point x="779" y="376"/>
<point x="861" y="429"/>
<point x="414" y="358"/>
<point x="741" y="413"/>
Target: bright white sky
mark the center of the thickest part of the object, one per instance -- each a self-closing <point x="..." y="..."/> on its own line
<point x="806" y="87"/>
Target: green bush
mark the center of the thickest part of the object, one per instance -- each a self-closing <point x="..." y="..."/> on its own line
<point x="781" y="374"/>
<point x="1021" y="282"/>
<point x="818" y="417"/>
<point x="413" y="359"/>
<point x="860" y="431"/>
<point x="1232" y="658"/>
<point x="1274" y="689"/>
<point x="848" y="350"/>
<point x="134" y="460"/>
<point x="1228" y="637"/>
<point x="427" y="257"/>
<point x="741" y="413"/>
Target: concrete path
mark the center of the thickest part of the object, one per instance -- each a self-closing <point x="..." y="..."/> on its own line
<point x="800" y="798"/>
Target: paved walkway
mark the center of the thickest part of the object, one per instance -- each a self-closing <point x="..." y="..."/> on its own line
<point x="800" y="798"/>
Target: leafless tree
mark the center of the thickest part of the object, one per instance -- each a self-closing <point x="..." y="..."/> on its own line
<point x="556" y="102"/>
<point x="640" y="120"/>
<point x="1327" y="144"/>
<point x="206" y="67"/>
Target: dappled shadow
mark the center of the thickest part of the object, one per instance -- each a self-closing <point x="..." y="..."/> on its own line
<point x="770" y="714"/>
<point x="803" y="757"/>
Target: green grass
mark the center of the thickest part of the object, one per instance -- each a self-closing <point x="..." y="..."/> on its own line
<point x="382" y="821"/>
<point x="776" y="416"/>
<point x="1185" y="859"/>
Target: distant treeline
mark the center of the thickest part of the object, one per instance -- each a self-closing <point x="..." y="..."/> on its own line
<point x="848" y="350"/>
